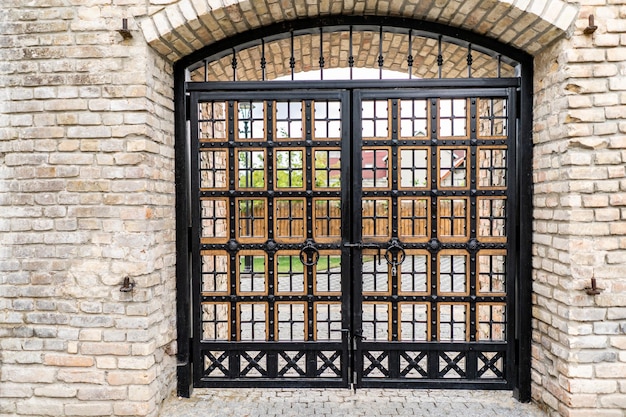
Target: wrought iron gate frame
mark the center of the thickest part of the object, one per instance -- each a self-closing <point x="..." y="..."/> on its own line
<point x="467" y="350"/>
<point x="520" y="383"/>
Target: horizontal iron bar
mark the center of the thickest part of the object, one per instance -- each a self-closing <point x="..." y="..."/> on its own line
<point x="229" y="346"/>
<point x="447" y="383"/>
<point x="283" y="382"/>
<point x="435" y="346"/>
<point x="274" y="86"/>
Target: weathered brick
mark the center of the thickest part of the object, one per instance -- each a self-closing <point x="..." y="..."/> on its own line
<point x="102" y="393"/>
<point x="139" y="377"/>
<point x="105" y="362"/>
<point x="28" y="374"/>
<point x="40" y="407"/>
<point x="135" y="362"/>
<point x="81" y="376"/>
<point x="592" y="386"/>
<point x="133" y="408"/>
<point x="68" y="360"/>
<point x="90" y="409"/>
<point x="10" y="390"/>
<point x="91" y="348"/>
<point x="56" y="391"/>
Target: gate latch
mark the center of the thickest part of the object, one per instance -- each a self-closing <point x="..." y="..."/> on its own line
<point x="361" y="245"/>
<point x="359" y="335"/>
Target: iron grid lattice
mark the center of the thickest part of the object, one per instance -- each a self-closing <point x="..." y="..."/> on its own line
<point x="354" y="232"/>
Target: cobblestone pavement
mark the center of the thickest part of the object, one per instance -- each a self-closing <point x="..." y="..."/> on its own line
<point x="345" y="403"/>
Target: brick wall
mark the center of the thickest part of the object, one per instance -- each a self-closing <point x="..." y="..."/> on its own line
<point x="579" y="342"/>
<point x="87" y="193"/>
<point x="86" y="199"/>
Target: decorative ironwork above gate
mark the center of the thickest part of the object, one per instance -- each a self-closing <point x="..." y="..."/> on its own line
<point x="366" y="51"/>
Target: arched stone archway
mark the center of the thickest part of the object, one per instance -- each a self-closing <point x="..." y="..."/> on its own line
<point x="186" y="26"/>
<point x="182" y="31"/>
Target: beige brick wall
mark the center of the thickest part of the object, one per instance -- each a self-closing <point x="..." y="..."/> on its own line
<point x="579" y="342"/>
<point x="86" y="199"/>
<point x="87" y="192"/>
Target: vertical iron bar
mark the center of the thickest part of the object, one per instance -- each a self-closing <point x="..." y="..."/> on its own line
<point x="184" y="235"/>
<point x="381" y="59"/>
<point x="321" y="53"/>
<point x="433" y="356"/>
<point x="233" y="359"/>
<point x="499" y="66"/>
<point x="272" y="360"/>
<point x="206" y="70"/>
<point x="311" y="357"/>
<point x="470" y="60"/>
<point x="292" y="59"/>
<point x="409" y="58"/>
<point x="233" y="63"/>
<point x="352" y="174"/>
<point x="472" y="166"/>
<point x="522" y="287"/>
<point x="351" y="57"/>
<point x="263" y="61"/>
<point x="439" y="57"/>
<point x="394" y="361"/>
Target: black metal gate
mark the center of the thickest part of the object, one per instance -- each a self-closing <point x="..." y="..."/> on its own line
<point x="353" y="233"/>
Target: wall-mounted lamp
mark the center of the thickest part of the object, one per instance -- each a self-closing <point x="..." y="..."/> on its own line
<point x="124" y="30"/>
<point x="592" y="27"/>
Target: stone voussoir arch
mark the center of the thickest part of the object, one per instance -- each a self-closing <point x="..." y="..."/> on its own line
<point x="186" y="26"/>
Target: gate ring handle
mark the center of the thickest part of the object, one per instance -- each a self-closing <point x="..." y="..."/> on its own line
<point x="309" y="247"/>
<point x="395" y="247"/>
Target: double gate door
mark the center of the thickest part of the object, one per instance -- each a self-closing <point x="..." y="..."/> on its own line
<point x="353" y="236"/>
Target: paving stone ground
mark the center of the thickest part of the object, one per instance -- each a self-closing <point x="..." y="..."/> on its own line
<point x="346" y="403"/>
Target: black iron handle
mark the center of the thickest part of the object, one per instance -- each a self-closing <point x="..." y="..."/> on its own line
<point x="395" y="254"/>
<point x="309" y="251"/>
